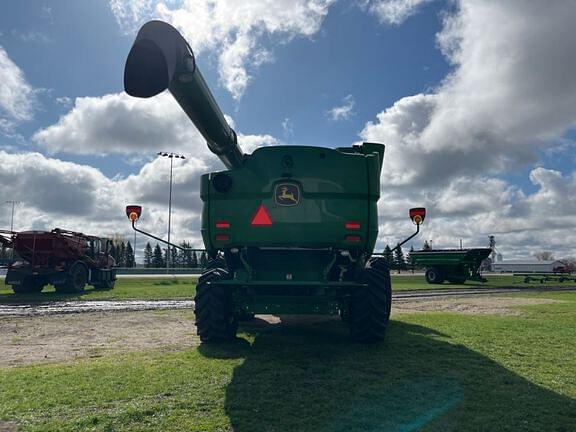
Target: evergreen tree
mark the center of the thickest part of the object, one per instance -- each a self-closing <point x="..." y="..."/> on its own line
<point x="157" y="258"/>
<point x="114" y="252"/>
<point x="387" y="255"/>
<point x="193" y="260"/>
<point x="426" y="246"/>
<point x="130" y="260"/>
<point x="121" y="251"/>
<point x="174" y="257"/>
<point x="182" y="254"/>
<point x="148" y="255"/>
<point x="164" y="256"/>
<point x="399" y="262"/>
<point x="203" y="260"/>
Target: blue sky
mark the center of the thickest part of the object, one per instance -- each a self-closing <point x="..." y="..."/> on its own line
<point x="474" y="100"/>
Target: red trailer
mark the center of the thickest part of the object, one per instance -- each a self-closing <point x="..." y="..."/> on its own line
<point x="66" y="259"/>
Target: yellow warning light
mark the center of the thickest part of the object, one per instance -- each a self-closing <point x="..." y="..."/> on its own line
<point x="133" y="216"/>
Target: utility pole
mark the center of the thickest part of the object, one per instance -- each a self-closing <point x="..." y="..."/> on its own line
<point x="12" y="225"/>
<point x="171" y="156"/>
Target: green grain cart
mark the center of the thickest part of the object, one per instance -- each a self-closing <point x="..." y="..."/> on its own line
<point x="290" y="229"/>
<point x="453" y="265"/>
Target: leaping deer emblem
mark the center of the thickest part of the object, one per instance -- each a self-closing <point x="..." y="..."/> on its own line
<point x="285" y="195"/>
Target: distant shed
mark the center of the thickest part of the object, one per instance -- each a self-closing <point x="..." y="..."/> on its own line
<point x="527" y="266"/>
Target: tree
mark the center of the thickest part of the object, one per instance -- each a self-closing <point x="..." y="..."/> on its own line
<point x="193" y="260"/>
<point x="399" y="262"/>
<point x="129" y="258"/>
<point x="426" y="246"/>
<point x="570" y="263"/>
<point x="544" y="256"/>
<point x="157" y="258"/>
<point x="148" y="255"/>
<point x="121" y="254"/>
<point x="114" y="252"/>
<point x="387" y="255"/>
<point x="174" y="257"/>
<point x="183" y="254"/>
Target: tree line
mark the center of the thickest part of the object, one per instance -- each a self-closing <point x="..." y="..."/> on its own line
<point x="123" y="253"/>
<point x="396" y="259"/>
<point x="156" y="257"/>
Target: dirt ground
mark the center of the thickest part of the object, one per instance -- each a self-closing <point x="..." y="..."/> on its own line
<point x="56" y="338"/>
<point x="65" y="337"/>
<point x="468" y="305"/>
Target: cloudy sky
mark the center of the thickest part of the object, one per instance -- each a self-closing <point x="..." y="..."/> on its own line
<point x="474" y="99"/>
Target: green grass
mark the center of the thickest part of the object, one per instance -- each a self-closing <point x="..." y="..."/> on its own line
<point x="126" y="288"/>
<point x="435" y="372"/>
<point x="162" y="288"/>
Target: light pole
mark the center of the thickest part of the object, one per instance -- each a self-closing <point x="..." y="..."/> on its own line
<point x="12" y="224"/>
<point x="171" y="156"/>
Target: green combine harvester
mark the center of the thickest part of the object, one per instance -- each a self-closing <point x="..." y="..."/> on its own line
<point x="289" y="229"/>
<point x="454" y="265"/>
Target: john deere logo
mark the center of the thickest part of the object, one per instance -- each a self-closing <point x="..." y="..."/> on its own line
<point x="287" y="194"/>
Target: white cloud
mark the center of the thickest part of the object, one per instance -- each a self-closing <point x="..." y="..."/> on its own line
<point x="232" y="29"/>
<point x="511" y="93"/>
<point x="288" y="128"/>
<point x="79" y="197"/>
<point x="510" y="96"/>
<point x="394" y="12"/>
<point x="120" y="124"/>
<point x="344" y="111"/>
<point x="17" y="97"/>
<point x="474" y="208"/>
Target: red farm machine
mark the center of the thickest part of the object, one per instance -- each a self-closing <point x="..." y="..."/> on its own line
<point x="66" y="259"/>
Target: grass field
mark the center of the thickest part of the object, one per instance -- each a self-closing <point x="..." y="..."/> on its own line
<point x="435" y="372"/>
<point x="171" y="288"/>
<point x="126" y="288"/>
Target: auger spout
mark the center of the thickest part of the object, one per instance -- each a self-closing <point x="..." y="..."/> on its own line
<point x="161" y="59"/>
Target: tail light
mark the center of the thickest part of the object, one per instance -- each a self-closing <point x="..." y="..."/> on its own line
<point x="222" y="237"/>
<point x="352" y="225"/>
<point x="222" y="224"/>
<point x="353" y="238"/>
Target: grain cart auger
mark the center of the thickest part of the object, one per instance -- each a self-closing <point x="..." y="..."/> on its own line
<point x="290" y="229"/>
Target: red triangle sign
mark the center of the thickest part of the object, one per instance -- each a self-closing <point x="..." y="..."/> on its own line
<point x="261" y="218"/>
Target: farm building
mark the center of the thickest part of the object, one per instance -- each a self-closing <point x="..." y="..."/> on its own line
<point x="527" y="266"/>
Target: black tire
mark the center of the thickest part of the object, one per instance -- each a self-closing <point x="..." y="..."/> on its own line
<point x="370" y="305"/>
<point x="214" y="308"/>
<point x="434" y="275"/>
<point x="106" y="285"/>
<point x="29" y="285"/>
<point x="75" y="281"/>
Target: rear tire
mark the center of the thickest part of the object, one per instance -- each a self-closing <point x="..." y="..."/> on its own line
<point x="370" y="305"/>
<point x="106" y="285"/>
<point x="434" y="275"/>
<point x="75" y="281"/>
<point x="214" y="308"/>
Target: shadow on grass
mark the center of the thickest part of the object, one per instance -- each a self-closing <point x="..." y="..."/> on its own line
<point x="306" y="375"/>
